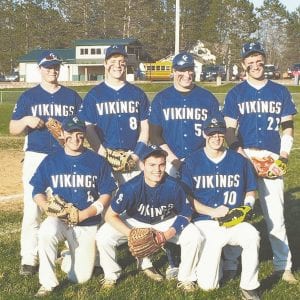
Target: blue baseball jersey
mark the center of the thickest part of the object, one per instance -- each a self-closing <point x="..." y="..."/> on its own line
<point x="151" y="204"/>
<point x="78" y="179"/>
<point x="116" y="113"/>
<point x="214" y="184"/>
<point x="181" y="117"/>
<point x="38" y="102"/>
<point x="259" y="113"/>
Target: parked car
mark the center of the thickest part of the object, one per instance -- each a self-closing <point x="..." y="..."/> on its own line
<point x="210" y="72"/>
<point x="295" y="70"/>
<point x="12" y="77"/>
<point x="271" y="72"/>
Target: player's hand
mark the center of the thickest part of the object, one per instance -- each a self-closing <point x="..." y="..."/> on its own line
<point x="134" y="157"/>
<point x="34" y="122"/>
<point x="219" y="211"/>
<point x="102" y="151"/>
<point x="177" y="163"/>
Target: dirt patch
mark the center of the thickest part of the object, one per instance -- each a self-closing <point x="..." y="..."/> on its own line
<point x="11" y="179"/>
<point x="11" y="172"/>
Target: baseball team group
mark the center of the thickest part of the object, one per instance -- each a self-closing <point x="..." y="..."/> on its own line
<point x="192" y="165"/>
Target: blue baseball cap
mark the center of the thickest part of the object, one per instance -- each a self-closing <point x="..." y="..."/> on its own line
<point x="183" y="60"/>
<point x="151" y="149"/>
<point x="115" y="49"/>
<point x="73" y="124"/>
<point x="214" y="124"/>
<point x="48" y="58"/>
<point x="250" y="48"/>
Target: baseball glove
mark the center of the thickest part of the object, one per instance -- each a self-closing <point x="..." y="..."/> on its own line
<point x="267" y="167"/>
<point x="143" y="242"/>
<point x="57" y="207"/>
<point x="55" y="128"/>
<point x="236" y="216"/>
<point x="120" y="160"/>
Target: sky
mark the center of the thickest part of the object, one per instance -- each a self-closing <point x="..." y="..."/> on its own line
<point x="291" y="5"/>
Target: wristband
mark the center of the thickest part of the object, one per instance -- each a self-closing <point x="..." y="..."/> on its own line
<point x="180" y="223"/>
<point x="249" y="200"/>
<point x="286" y="143"/>
<point x="139" y="148"/>
<point x="99" y="207"/>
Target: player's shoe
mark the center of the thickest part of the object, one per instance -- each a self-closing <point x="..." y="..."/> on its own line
<point x="286" y="276"/>
<point x="250" y="295"/>
<point x="28" y="270"/>
<point x="187" y="286"/>
<point x="172" y="273"/>
<point x="43" y="292"/>
<point x="153" y="274"/>
<point x="107" y="283"/>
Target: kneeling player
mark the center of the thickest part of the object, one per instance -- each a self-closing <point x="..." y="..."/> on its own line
<point x="81" y="178"/>
<point x="218" y="180"/>
<point x="151" y="199"/>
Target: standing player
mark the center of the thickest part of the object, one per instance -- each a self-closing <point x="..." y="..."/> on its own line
<point x="116" y="112"/>
<point x="151" y="199"/>
<point x="35" y="106"/>
<point x="82" y="178"/>
<point x="176" y="118"/>
<point x="178" y="112"/>
<point x="259" y="107"/>
<point x="218" y="180"/>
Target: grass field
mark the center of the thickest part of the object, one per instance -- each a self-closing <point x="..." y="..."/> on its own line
<point x="134" y="285"/>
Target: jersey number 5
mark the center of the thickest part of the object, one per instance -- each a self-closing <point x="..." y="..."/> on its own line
<point x="198" y="129"/>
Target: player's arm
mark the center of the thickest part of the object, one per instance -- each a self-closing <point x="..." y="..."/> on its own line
<point x="156" y="138"/>
<point x="93" y="139"/>
<point x="41" y="200"/>
<point x="113" y="218"/>
<point x="287" y="137"/>
<point x="142" y="140"/>
<point x="20" y="126"/>
<point x="95" y="208"/>
<point x="203" y="209"/>
<point x="230" y="136"/>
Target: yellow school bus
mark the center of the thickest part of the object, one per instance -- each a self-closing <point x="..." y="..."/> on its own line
<point x="160" y="70"/>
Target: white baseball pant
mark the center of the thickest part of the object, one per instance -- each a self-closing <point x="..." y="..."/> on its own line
<point x="82" y="248"/>
<point x="216" y="237"/>
<point x="31" y="212"/>
<point x="190" y="241"/>
<point x="271" y="198"/>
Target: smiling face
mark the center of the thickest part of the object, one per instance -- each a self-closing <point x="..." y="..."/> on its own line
<point x="115" y="67"/>
<point x="154" y="169"/>
<point x="183" y="79"/>
<point x="215" y="141"/>
<point x="50" y="74"/>
<point x="254" y="66"/>
<point x="73" y="142"/>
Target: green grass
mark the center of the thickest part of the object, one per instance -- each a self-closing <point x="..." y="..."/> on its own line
<point x="134" y="285"/>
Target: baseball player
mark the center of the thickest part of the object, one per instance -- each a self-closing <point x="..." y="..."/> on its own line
<point x="80" y="177"/>
<point x="176" y="119"/>
<point x="116" y="112"/>
<point x="260" y="108"/>
<point x="178" y="112"/>
<point x="219" y="179"/>
<point x="34" y="107"/>
<point x="151" y="199"/>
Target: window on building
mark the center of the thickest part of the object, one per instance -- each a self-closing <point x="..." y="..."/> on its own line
<point x="84" y="51"/>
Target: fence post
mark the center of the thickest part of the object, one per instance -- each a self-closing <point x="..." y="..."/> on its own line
<point x="1" y="100"/>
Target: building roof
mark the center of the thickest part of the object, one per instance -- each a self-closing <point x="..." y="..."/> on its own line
<point x="106" y="42"/>
<point x="67" y="55"/>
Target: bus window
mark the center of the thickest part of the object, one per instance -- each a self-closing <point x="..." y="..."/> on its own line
<point x="157" y="68"/>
